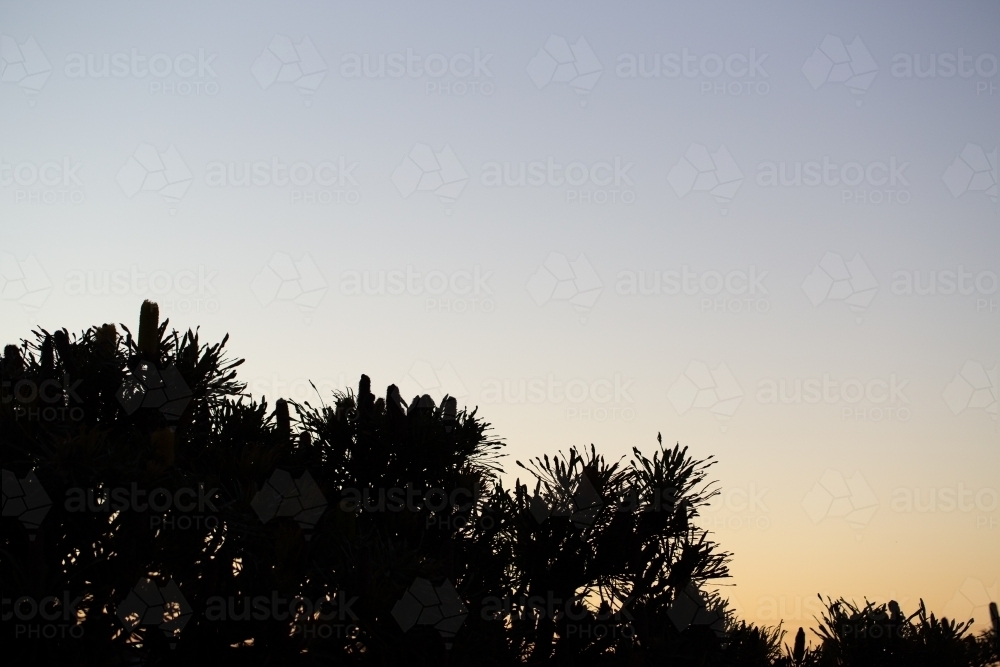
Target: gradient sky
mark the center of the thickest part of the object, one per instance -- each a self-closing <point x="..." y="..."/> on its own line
<point x="813" y="491"/>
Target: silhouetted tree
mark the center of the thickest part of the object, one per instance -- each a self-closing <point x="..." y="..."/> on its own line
<point x="369" y="531"/>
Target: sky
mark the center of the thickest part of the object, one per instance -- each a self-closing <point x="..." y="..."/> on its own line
<point x="768" y="231"/>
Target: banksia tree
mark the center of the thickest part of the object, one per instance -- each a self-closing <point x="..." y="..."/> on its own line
<point x="245" y="529"/>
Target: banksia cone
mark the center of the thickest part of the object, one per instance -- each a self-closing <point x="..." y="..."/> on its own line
<point x="799" y="652"/>
<point x="424" y="402"/>
<point x="450" y="412"/>
<point x="366" y="399"/>
<point x="149" y="325"/>
<point x="897" y="614"/>
<point x="61" y="341"/>
<point x="283" y="419"/>
<point x="106" y="339"/>
<point x="12" y="363"/>
<point x="681" y="571"/>
<point x="48" y="360"/>
<point x="995" y="617"/>
<point x="393" y="403"/>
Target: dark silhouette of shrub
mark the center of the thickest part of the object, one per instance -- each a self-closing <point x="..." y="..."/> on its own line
<point x="155" y="514"/>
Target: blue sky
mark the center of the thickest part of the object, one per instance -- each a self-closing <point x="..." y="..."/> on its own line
<point x="130" y="185"/>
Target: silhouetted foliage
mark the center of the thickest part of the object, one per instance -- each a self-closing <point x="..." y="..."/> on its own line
<point x="357" y="510"/>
